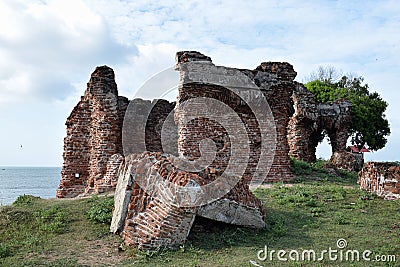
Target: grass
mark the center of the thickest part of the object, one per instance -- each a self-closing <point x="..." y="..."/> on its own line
<point x="38" y="232"/>
<point x="312" y="214"/>
<point x="314" y="172"/>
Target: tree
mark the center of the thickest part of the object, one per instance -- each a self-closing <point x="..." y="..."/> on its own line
<point x="325" y="74"/>
<point x="369" y="125"/>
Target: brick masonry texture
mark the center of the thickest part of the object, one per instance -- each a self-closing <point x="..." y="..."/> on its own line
<point x="93" y="135"/>
<point x="93" y="148"/>
<point x="383" y="178"/>
<point x="150" y="219"/>
<point x="94" y="128"/>
<point x="274" y="81"/>
<point x="145" y="120"/>
<point x="347" y="161"/>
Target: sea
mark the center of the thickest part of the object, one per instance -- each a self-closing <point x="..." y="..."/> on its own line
<point x="36" y="181"/>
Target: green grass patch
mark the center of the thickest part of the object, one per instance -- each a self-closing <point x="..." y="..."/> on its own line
<point x="315" y="172"/>
<point x="38" y="232"/>
<point x="304" y="216"/>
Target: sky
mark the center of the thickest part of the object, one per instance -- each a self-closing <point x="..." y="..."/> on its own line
<point x="48" y="50"/>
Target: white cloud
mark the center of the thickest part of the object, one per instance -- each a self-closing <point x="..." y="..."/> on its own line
<point x="150" y="60"/>
<point x="47" y="46"/>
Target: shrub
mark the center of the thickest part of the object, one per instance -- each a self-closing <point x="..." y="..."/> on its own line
<point x="101" y="209"/>
<point x="319" y="164"/>
<point x="340" y="218"/>
<point x="4" y="251"/>
<point x="25" y="200"/>
<point x="300" y="167"/>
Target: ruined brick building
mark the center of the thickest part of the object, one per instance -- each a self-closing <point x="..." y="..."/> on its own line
<point x="382" y="178"/>
<point x="156" y="198"/>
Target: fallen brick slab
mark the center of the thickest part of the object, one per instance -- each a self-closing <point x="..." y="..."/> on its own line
<point x="149" y="215"/>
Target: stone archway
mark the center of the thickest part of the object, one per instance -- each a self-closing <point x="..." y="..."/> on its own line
<point x="310" y="122"/>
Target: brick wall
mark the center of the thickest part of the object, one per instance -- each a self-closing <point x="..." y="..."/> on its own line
<point x="150" y="214"/>
<point x="383" y="178"/>
<point x="93" y="146"/>
<point x="303" y="130"/>
<point x="147" y="220"/>
<point x="215" y="146"/>
<point x="278" y="89"/>
<point x="272" y="80"/>
<point x="93" y="135"/>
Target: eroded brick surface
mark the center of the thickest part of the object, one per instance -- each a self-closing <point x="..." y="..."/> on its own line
<point x="273" y="80"/>
<point x="150" y="214"/>
<point x="110" y="179"/>
<point x="93" y="148"/>
<point x="311" y="119"/>
<point x="93" y="135"/>
<point x="383" y="178"/>
<point x="151" y="221"/>
<point x="347" y="161"/>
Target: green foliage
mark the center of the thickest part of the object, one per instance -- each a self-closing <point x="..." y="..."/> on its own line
<point x="300" y="167"/>
<point x="25" y="200"/>
<point x="315" y="172"/>
<point x="323" y="91"/>
<point x="276" y="225"/>
<point x="319" y="164"/>
<point x="340" y="218"/>
<point x="64" y="262"/>
<point x="27" y="224"/>
<point x="54" y="233"/>
<point x="4" y="250"/>
<point x="369" y="125"/>
<point x="101" y="209"/>
<point x="297" y="196"/>
<point x="349" y="176"/>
